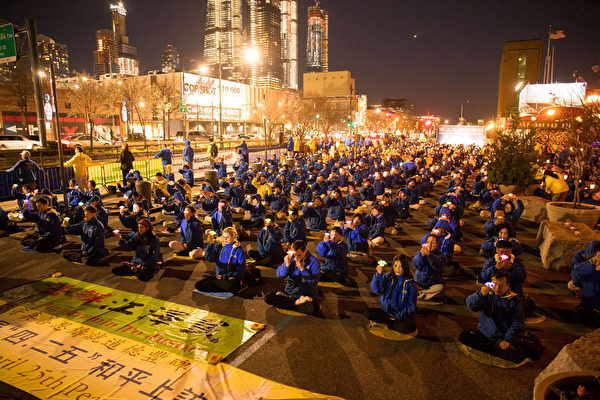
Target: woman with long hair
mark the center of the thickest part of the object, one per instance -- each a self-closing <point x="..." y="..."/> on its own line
<point x="398" y="292"/>
<point x="144" y="264"/>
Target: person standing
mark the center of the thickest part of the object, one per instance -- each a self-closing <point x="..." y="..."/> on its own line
<point x="167" y="157"/>
<point x="212" y="150"/>
<point x="126" y="159"/>
<point x="188" y="154"/>
<point x="242" y="150"/>
<point x="26" y="170"/>
<point x="80" y="163"/>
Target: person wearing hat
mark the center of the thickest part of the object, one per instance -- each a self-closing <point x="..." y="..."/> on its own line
<point x="191" y="242"/>
<point x="303" y="272"/>
<point x="144" y="263"/>
<point x="92" y="233"/>
<point x="80" y="163"/>
<point x="230" y="264"/>
<point x="49" y="231"/>
<point x="166" y="156"/>
<point x="585" y="284"/>
<point x="188" y="154"/>
<point x="429" y="263"/>
<point x="210" y="200"/>
<point x="398" y="291"/>
<point x="26" y="170"/>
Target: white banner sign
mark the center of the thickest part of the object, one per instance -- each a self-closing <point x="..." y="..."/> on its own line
<point x="201" y="95"/>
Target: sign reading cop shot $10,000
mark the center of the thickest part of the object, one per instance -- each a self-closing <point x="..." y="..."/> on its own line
<point x="201" y="98"/>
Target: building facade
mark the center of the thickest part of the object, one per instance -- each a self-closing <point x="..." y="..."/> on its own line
<point x="223" y="37"/>
<point x="289" y="43"/>
<point x="170" y="59"/>
<point x="328" y="84"/>
<point x="113" y="52"/>
<point x="265" y="39"/>
<point x="317" y="54"/>
<point x="53" y="53"/>
<point x="521" y="64"/>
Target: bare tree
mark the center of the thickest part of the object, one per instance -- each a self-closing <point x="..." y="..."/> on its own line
<point x="166" y="95"/>
<point x="302" y="116"/>
<point x="88" y="99"/>
<point x="332" y="112"/>
<point x="137" y="94"/>
<point x="275" y="106"/>
<point x="20" y="87"/>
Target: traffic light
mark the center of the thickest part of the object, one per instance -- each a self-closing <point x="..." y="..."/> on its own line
<point x="318" y="116"/>
<point x="354" y="124"/>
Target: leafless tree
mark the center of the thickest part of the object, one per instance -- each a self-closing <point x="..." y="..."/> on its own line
<point x="20" y="86"/>
<point x="166" y="95"/>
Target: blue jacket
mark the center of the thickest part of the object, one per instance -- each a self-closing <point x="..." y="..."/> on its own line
<point x="316" y="217"/>
<point x="210" y="205"/>
<point x="256" y="212"/>
<point x="91" y="233"/>
<point x="352" y="201"/>
<point x="130" y="220"/>
<point x="236" y="195"/>
<point x="221" y="169"/>
<point x="229" y="261"/>
<point x="584" y="275"/>
<point x="26" y="170"/>
<point x="188" y="175"/>
<point x="489" y="247"/>
<point x="335" y="256"/>
<point x="48" y="224"/>
<point x="516" y="274"/>
<point x="376" y="226"/>
<point x="514" y="215"/>
<point x="368" y="193"/>
<point x="221" y="220"/>
<point x="398" y="295"/>
<point x="290" y="145"/>
<point x="191" y="232"/>
<point x="188" y="152"/>
<point x="74" y="197"/>
<point x="294" y="230"/>
<point x="146" y="256"/>
<point x="336" y="207"/>
<point x="242" y="148"/>
<point x="430" y="269"/>
<point x="166" y="155"/>
<point x="301" y="283"/>
<point x="278" y="201"/>
<point x="500" y="318"/>
<point x="269" y="242"/>
<point x="357" y="238"/>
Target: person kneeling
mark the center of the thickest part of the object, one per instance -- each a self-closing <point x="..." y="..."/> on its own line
<point x="302" y="271"/>
<point x="144" y="264"/>
<point x="501" y="330"/>
<point x="230" y="264"/>
<point x="398" y="297"/>
<point x="586" y="283"/>
<point x="190" y="232"/>
<point x="92" y="235"/>
<point x="335" y="256"/>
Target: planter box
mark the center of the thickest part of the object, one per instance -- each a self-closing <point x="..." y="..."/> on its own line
<point x="558" y="244"/>
<point x="559" y="211"/>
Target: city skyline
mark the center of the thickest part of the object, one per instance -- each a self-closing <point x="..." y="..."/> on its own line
<point x="437" y="55"/>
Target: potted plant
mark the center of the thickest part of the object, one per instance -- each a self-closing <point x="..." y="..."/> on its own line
<point x="512" y="160"/>
<point x="576" y="132"/>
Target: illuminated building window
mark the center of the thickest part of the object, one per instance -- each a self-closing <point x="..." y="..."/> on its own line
<point x="522" y="65"/>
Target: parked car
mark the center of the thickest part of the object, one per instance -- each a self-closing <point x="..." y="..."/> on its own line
<point x="84" y="141"/>
<point x="193" y="136"/>
<point x="17" y="142"/>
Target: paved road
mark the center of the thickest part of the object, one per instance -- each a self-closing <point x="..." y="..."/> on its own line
<point x="334" y="353"/>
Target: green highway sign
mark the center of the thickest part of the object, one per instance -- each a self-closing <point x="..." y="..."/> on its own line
<point x="182" y="107"/>
<point x="8" y="50"/>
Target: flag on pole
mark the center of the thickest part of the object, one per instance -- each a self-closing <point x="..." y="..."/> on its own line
<point x="557" y="35"/>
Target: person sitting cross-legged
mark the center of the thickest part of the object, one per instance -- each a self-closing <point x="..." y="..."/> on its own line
<point x="501" y="322"/>
<point x="191" y="243"/>
<point x="49" y="232"/>
<point x="302" y="271"/>
<point x="144" y="264"/>
<point x="586" y="284"/>
<point x="92" y="235"/>
<point x="269" y="251"/>
<point x="398" y="292"/>
<point x="335" y="256"/>
<point x="429" y="263"/>
<point x="230" y="264"/>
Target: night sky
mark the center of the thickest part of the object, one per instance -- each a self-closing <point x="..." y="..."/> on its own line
<point x="454" y="58"/>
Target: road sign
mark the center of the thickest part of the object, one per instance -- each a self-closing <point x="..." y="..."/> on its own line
<point x="8" y="50"/>
<point x="48" y="111"/>
<point x="182" y="107"/>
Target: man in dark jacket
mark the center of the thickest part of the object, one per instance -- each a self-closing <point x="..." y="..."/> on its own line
<point x="49" y="233"/>
<point x="126" y="160"/>
<point x="92" y="232"/>
<point x="429" y="263"/>
<point x="26" y="170"/>
<point x="335" y="256"/>
<point x="501" y="322"/>
<point x="188" y="154"/>
<point x="269" y="251"/>
<point x="191" y="242"/>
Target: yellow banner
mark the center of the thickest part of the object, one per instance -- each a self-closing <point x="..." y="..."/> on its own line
<point x="54" y="358"/>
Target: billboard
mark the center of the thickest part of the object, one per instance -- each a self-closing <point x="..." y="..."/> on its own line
<point x="201" y="97"/>
<point x="461" y="134"/>
<point x="535" y="97"/>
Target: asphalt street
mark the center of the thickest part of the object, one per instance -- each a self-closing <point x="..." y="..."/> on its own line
<point x="334" y="353"/>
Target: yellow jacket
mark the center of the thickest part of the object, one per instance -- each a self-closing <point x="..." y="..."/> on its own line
<point x="554" y="185"/>
<point x="262" y="190"/>
<point x="159" y="183"/>
<point x="80" y="163"/>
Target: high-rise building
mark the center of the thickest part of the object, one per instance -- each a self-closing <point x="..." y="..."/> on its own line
<point x="53" y="53"/>
<point x="317" y="54"/>
<point x="265" y="39"/>
<point x="223" y="37"/>
<point x="289" y="43"/>
<point x="170" y="60"/>
<point x="113" y="53"/>
<point x="521" y="64"/>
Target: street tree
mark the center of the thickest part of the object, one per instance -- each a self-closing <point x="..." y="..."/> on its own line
<point x="331" y="112"/>
<point x="88" y="99"/>
<point x="166" y="95"/>
<point x="20" y="86"/>
<point x="137" y="96"/>
<point x="302" y="116"/>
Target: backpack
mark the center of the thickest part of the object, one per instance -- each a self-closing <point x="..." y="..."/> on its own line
<point x="214" y="151"/>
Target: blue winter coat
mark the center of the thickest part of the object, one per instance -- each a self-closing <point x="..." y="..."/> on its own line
<point x="294" y="230"/>
<point x="301" y="283"/>
<point x="166" y="155"/>
<point x="316" y="218"/>
<point x="236" y="195"/>
<point x="146" y="256"/>
<point x="376" y="226"/>
<point x="398" y="295"/>
<point x="336" y="207"/>
<point x="48" y="224"/>
<point x="500" y="318"/>
<point x="221" y="169"/>
<point x="188" y="175"/>
<point x="26" y="170"/>
<point x="430" y="269"/>
<point x="191" y="232"/>
<point x="221" y="220"/>
<point x="516" y="274"/>
<point x="188" y="152"/>
<point x="269" y="242"/>
<point x="357" y="238"/>
<point x="229" y="261"/>
<point x="335" y="256"/>
<point x="91" y="233"/>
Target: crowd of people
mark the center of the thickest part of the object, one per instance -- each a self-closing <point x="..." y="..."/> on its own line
<point x="350" y="199"/>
